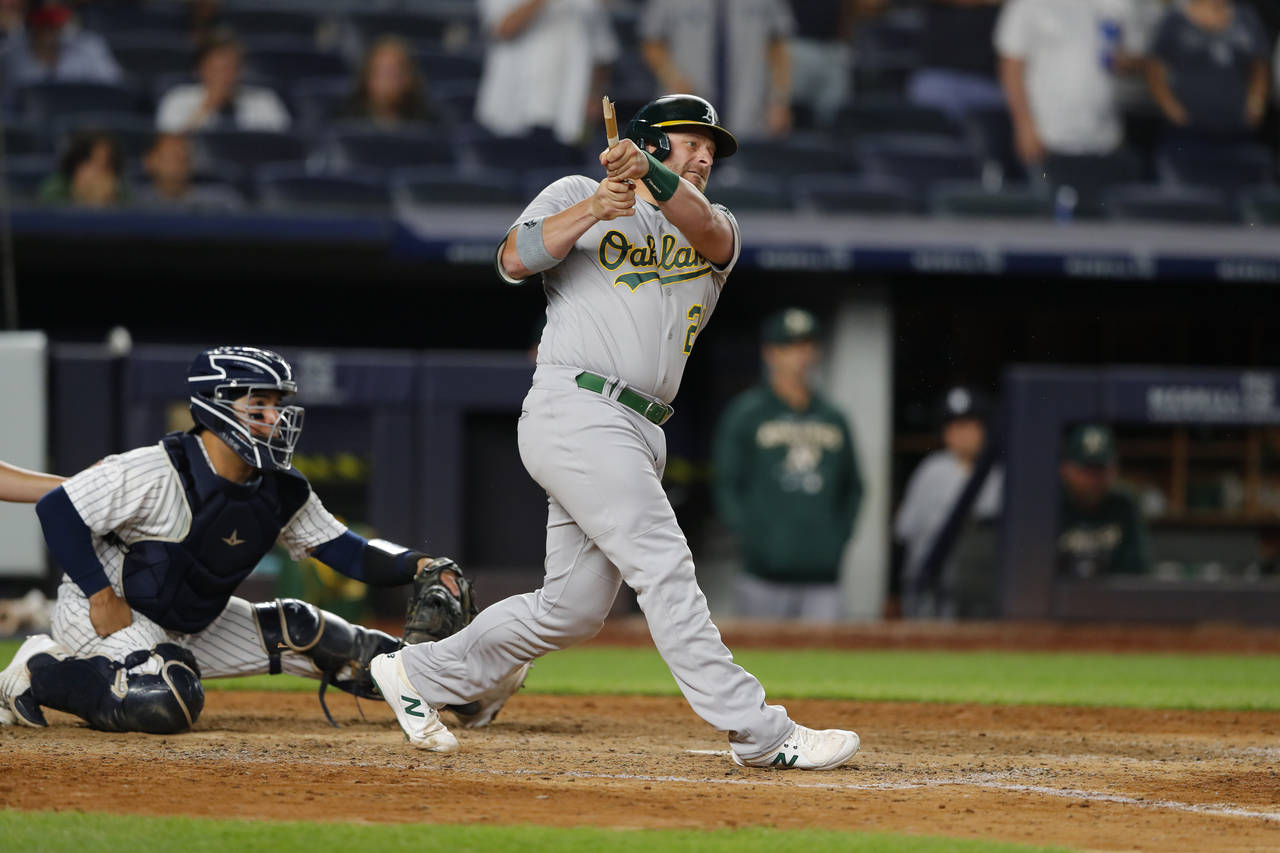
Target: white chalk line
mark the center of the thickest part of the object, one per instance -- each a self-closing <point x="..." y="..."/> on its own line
<point x="977" y="780"/>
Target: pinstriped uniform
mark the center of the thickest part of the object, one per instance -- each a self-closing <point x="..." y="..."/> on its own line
<point x="138" y="495"/>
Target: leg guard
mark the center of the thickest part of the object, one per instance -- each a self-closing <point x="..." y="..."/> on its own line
<point x="108" y="698"/>
<point x="340" y="650"/>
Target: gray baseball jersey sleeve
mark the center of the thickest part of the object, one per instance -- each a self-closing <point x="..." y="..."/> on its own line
<point x="631" y="297"/>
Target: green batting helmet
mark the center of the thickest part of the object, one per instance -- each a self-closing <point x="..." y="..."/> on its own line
<point x="672" y="112"/>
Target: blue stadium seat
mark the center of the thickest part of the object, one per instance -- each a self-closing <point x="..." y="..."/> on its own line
<point x="251" y="23"/>
<point x="292" y="64"/>
<point x="21" y="138"/>
<point x="147" y="55"/>
<point x="919" y="161"/>
<point x="753" y="192"/>
<point x="42" y="102"/>
<point x="25" y="174"/>
<point x="877" y="115"/>
<point x="439" y="65"/>
<point x="134" y="133"/>
<point x="1161" y="203"/>
<point x="110" y="17"/>
<point x="315" y="101"/>
<point x="1260" y="206"/>
<point x="248" y="149"/>
<point x="455" y="100"/>
<point x="1229" y="167"/>
<point x="969" y="200"/>
<point x="442" y="185"/>
<point x="421" y="30"/>
<point x="992" y="132"/>
<point x="540" y="148"/>
<point x="363" y="144"/>
<point x="1090" y="176"/>
<point x="887" y="51"/>
<point x="792" y="155"/>
<point x="281" y="187"/>
<point x="869" y="194"/>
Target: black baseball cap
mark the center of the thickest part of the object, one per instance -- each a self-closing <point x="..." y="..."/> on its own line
<point x="1093" y="445"/>
<point x="963" y="401"/>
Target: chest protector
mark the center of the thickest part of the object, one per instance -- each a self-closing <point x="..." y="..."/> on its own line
<point x="183" y="586"/>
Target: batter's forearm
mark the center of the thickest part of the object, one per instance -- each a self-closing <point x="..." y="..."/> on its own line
<point x="560" y="232"/>
<point x="707" y="229"/>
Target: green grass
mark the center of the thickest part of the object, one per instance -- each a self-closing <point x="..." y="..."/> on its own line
<point x="50" y="832"/>
<point x="1122" y="680"/>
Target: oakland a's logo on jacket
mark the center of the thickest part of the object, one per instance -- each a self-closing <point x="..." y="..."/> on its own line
<point x="669" y="265"/>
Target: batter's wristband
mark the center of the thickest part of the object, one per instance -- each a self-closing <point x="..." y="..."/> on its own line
<point x="660" y="180"/>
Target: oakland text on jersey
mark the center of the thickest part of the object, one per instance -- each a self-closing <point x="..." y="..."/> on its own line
<point x="615" y="248"/>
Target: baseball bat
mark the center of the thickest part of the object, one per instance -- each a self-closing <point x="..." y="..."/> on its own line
<point x="610" y="122"/>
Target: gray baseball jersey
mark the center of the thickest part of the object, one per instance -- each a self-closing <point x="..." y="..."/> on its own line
<point x="627" y="303"/>
<point x="138" y="495"/>
<point x="630" y="299"/>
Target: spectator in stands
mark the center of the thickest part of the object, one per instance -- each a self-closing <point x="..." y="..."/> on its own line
<point x="1208" y="73"/>
<point x="90" y="172"/>
<point x="787" y="482"/>
<point x="957" y="71"/>
<point x="171" y="179"/>
<point x="53" y="47"/>
<point x="389" y="89"/>
<point x="1058" y="65"/>
<point x="545" y="66"/>
<point x="734" y="54"/>
<point x="1101" y="531"/>
<point x="822" y="53"/>
<point x="220" y="99"/>
<point x="931" y="494"/>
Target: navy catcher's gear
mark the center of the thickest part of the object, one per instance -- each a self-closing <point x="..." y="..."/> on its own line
<point x="102" y="693"/>
<point x="340" y="650"/>
<point x="221" y="375"/>
<point x="650" y="124"/>
<point x="183" y="586"/>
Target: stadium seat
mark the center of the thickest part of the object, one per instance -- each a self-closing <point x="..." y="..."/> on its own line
<point x="110" y="17"/>
<point x="454" y="99"/>
<point x="363" y="144"/>
<point x="248" y="148"/>
<point x="754" y="192"/>
<point x="21" y="138"/>
<point x="877" y="115"/>
<point x="1229" y="167"/>
<point x="540" y="148"/>
<point x="535" y="180"/>
<point x="887" y="51"/>
<point x="421" y="30"/>
<point x="134" y="133"/>
<point x="148" y="55"/>
<point x="439" y="65"/>
<point x="919" y="161"/>
<point x="1090" y="176"/>
<point x="25" y="174"/>
<point x="791" y="156"/>
<point x="1161" y="203"/>
<point x="443" y="185"/>
<point x="969" y="200"/>
<point x="253" y="23"/>
<point x="292" y="188"/>
<point x="289" y="65"/>
<point x="991" y="131"/>
<point x="42" y="102"/>
<point x="871" y="194"/>
<point x="1260" y="206"/>
<point x="314" y="102"/>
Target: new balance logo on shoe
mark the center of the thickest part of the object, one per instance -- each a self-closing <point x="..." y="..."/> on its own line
<point x="411" y="705"/>
<point x="781" y="760"/>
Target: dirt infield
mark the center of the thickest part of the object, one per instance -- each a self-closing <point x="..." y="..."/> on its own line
<point x="1109" y="779"/>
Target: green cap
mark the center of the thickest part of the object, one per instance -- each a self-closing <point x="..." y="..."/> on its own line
<point x="1091" y="444"/>
<point x="789" y="326"/>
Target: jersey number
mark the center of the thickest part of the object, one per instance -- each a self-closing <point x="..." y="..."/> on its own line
<point x="695" y="315"/>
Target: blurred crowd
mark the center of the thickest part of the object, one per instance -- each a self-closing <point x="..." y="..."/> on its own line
<point x="1030" y="108"/>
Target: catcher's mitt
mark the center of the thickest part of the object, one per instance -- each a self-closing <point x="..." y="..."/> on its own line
<point x="441" y="604"/>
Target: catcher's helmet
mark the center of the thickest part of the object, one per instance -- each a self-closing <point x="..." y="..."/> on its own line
<point x="652" y="121"/>
<point x="219" y="376"/>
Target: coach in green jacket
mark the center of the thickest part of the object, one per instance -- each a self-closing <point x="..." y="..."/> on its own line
<point x="787" y="481"/>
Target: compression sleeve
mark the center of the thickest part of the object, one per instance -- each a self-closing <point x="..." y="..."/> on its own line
<point x="377" y="563"/>
<point x="71" y="541"/>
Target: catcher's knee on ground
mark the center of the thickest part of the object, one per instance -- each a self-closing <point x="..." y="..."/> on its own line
<point x="104" y="694"/>
<point x="340" y="651"/>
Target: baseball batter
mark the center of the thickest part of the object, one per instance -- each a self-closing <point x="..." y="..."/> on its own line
<point x="153" y="543"/>
<point x="633" y="267"/>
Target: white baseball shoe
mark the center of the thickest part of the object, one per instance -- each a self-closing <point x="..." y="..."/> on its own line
<point x="421" y="722"/>
<point x="15" y="679"/>
<point x="807" y="749"/>
<point x="489" y="703"/>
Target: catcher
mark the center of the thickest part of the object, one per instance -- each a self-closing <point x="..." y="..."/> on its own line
<point x="154" y="541"/>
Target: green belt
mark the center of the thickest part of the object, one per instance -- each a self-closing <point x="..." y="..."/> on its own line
<point x="651" y="410"/>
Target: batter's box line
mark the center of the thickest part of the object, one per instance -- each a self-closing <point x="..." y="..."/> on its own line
<point x="973" y="781"/>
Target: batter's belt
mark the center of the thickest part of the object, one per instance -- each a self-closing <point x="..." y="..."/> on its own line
<point x="651" y="410"/>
